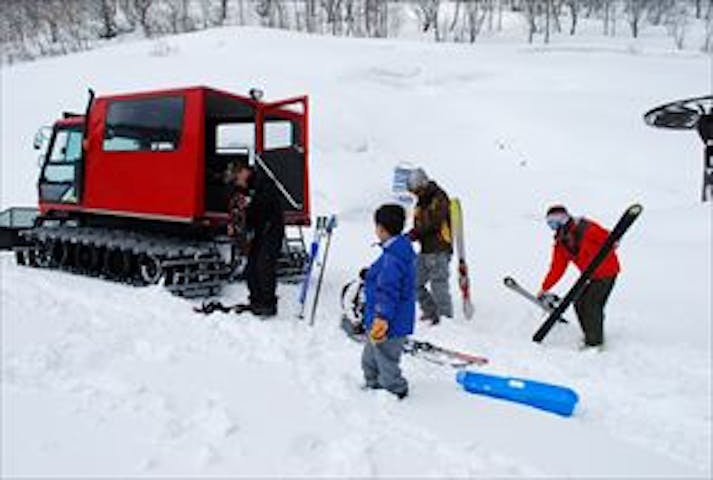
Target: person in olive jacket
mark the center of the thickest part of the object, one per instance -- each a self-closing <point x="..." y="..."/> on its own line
<point x="432" y="229"/>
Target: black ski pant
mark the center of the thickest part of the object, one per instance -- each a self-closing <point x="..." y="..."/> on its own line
<point x="261" y="269"/>
<point x="590" y="309"/>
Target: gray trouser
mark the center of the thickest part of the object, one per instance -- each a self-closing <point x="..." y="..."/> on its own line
<point x="434" y="268"/>
<point x="590" y="309"/>
<point x="380" y="363"/>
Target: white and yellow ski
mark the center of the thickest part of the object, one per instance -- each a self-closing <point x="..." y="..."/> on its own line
<point x="458" y="240"/>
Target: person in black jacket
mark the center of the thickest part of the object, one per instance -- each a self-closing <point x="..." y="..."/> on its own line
<point x="264" y="221"/>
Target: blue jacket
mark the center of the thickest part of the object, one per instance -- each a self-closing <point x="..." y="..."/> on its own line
<point x="390" y="287"/>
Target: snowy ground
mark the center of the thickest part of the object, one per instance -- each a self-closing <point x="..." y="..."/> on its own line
<point x="106" y="379"/>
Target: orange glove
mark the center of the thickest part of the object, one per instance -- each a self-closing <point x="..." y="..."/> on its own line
<point x="377" y="334"/>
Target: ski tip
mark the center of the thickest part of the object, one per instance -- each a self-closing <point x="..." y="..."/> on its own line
<point x="468" y="310"/>
<point x="509" y="281"/>
<point x="636" y="209"/>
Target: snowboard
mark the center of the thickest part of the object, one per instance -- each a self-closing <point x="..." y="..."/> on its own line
<point x="545" y="396"/>
<point x="459" y="241"/>
<point x="546" y="305"/>
<point x="621" y="227"/>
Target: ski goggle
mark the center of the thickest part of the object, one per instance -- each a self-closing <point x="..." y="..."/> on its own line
<point x="557" y="220"/>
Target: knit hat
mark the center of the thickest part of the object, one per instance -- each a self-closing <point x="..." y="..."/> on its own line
<point x="416" y="179"/>
<point x="391" y="217"/>
<point x="557" y="209"/>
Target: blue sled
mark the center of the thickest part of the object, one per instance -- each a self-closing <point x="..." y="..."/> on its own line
<point x="559" y="400"/>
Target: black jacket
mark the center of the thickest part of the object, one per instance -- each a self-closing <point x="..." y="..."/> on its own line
<point x="265" y="215"/>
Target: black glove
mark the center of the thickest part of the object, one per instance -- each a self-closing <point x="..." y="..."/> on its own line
<point x="551" y="300"/>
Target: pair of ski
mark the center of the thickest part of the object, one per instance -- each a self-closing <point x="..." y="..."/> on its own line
<point x="555" y="311"/>
<point x="315" y="263"/>
<point x="420" y="349"/>
<point x="459" y="239"/>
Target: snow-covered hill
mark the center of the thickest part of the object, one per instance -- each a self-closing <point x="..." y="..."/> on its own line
<point x="106" y="379"/>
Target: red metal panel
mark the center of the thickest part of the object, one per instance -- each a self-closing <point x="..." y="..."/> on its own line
<point x="305" y="142"/>
<point x="147" y="183"/>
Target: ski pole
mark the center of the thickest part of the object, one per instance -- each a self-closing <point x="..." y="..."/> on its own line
<point x="331" y="224"/>
<point x="314" y="250"/>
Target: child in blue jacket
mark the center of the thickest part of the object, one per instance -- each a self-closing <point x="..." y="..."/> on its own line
<point x="390" y="303"/>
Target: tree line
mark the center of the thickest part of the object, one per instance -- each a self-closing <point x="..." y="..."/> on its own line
<point x="34" y="28"/>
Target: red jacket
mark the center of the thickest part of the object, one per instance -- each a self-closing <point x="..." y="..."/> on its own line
<point x="581" y="251"/>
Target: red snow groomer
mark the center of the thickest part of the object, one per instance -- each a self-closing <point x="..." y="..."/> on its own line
<point x="136" y="190"/>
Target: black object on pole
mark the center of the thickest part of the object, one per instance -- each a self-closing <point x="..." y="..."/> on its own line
<point x="626" y="220"/>
<point x="692" y="113"/>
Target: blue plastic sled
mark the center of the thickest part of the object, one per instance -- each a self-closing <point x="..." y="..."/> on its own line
<point x="552" y="398"/>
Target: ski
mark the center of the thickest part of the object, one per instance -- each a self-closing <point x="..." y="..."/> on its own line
<point x="414" y="347"/>
<point x="626" y="220"/>
<point x="329" y="227"/>
<point x="426" y="351"/>
<point x="313" y="253"/>
<point x="548" y="305"/>
<point x="211" y="306"/>
<point x="459" y="240"/>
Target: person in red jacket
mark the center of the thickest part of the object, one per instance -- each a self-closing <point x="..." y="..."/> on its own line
<point x="578" y="240"/>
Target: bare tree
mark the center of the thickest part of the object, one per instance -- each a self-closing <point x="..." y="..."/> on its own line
<point x="635" y="10"/>
<point x="241" y="12"/>
<point x="500" y="15"/>
<point x="142" y="8"/>
<point x="607" y="7"/>
<point x="311" y="15"/>
<point x="708" y="42"/>
<point x="186" y="21"/>
<point x="272" y="13"/>
<point x="531" y="9"/>
<point x="108" y="18"/>
<point x="130" y="15"/>
<point x="333" y="12"/>
<point x="223" y="16"/>
<point x="574" y="6"/>
<point x="428" y="11"/>
<point x="456" y="16"/>
<point x="659" y="9"/>
<point x="677" y="21"/>
<point x="548" y="16"/>
<point x="475" y="18"/>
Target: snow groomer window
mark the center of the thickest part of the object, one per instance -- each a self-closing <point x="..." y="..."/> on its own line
<point x="278" y="134"/>
<point x="152" y="124"/>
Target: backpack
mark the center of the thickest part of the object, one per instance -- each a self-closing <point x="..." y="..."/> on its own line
<point x="572" y="240"/>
